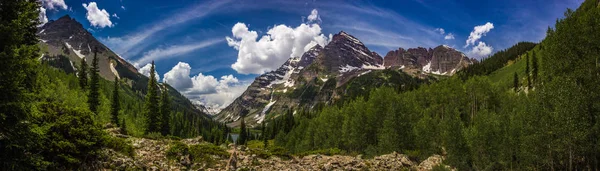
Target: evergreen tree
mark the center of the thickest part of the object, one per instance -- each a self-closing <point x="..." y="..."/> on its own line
<point x="83" y="74"/>
<point x="94" y="94"/>
<point x="516" y="82"/>
<point x="18" y="74"/>
<point x="115" y="105"/>
<point x="151" y="108"/>
<point x="535" y="66"/>
<point x="165" y="112"/>
<point x="124" y="127"/>
<point x="243" y="134"/>
<point x="527" y="72"/>
<point x="264" y="135"/>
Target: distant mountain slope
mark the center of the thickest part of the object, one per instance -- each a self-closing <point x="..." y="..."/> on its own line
<point x="65" y="41"/>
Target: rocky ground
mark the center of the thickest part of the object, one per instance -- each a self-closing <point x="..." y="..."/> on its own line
<point x="151" y="155"/>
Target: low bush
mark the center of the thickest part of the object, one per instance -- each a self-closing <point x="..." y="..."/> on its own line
<point x="120" y="145"/>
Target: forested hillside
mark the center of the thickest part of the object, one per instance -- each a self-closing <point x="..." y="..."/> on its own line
<point x="53" y="119"/>
<point x="545" y="120"/>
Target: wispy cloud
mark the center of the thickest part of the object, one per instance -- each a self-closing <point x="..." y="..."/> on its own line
<point x="174" y="51"/>
<point x="133" y="44"/>
<point x="380" y="27"/>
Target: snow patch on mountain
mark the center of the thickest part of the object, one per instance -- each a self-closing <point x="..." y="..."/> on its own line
<point x="351" y="38"/>
<point x="347" y="68"/>
<point x="77" y="52"/>
<point x="359" y="51"/>
<point x="375" y="67"/>
<point x="368" y="71"/>
<point x="427" y="68"/>
<point x="114" y="71"/>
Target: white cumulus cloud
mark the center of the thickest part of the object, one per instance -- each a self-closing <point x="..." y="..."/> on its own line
<point x="116" y="16"/>
<point x="481" y="50"/>
<point x="478" y="32"/>
<point x="97" y="17"/>
<point x="205" y="89"/>
<point x="314" y="16"/>
<point x="449" y="36"/>
<point x="440" y="30"/>
<point x="273" y="49"/>
<point x="54" y="4"/>
<point x="146" y="71"/>
<point x="42" y="16"/>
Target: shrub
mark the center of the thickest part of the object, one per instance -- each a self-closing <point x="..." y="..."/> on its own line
<point x="119" y="145"/>
<point x="154" y="135"/>
<point x="69" y="136"/>
<point x="204" y="153"/>
<point x="177" y="149"/>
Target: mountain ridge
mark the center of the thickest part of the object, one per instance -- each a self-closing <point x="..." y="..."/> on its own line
<point x="319" y="75"/>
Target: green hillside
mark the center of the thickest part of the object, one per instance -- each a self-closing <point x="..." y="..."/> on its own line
<point x="478" y="118"/>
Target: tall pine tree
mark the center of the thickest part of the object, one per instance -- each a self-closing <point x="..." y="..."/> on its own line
<point x="165" y="111"/>
<point x="243" y="134"/>
<point x="151" y="108"/>
<point x="18" y="57"/>
<point x="94" y="94"/>
<point x="83" y="75"/>
<point x="115" y="105"/>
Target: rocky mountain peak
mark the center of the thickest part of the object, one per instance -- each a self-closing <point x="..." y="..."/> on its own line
<point x="441" y="60"/>
<point x="346" y="52"/>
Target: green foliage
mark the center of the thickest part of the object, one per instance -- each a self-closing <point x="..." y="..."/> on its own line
<point x="83" y="75"/>
<point x="496" y="61"/>
<point x="18" y="58"/>
<point x="151" y="108"/>
<point x="177" y="149"/>
<point x="527" y="71"/>
<point x="243" y="138"/>
<point x="165" y="112"/>
<point x="516" y="82"/>
<point x="115" y="105"/>
<point x="328" y="152"/>
<point x="94" y="93"/>
<point x="69" y="136"/>
<point x="201" y="153"/>
<point x="204" y="152"/>
<point x="120" y="145"/>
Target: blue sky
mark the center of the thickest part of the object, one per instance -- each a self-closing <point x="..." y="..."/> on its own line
<point x="194" y="32"/>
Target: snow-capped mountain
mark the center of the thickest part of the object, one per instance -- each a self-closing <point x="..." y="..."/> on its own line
<point x="287" y="87"/>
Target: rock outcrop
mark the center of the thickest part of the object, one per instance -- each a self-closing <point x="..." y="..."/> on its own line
<point x="441" y="60"/>
<point x="151" y="155"/>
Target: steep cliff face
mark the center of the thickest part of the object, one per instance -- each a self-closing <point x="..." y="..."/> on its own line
<point x="441" y="60"/>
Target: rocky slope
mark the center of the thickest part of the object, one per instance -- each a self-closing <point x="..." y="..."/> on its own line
<point x="305" y="81"/>
<point x="152" y="155"/>
<point x="441" y="60"/>
<point x="64" y="43"/>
